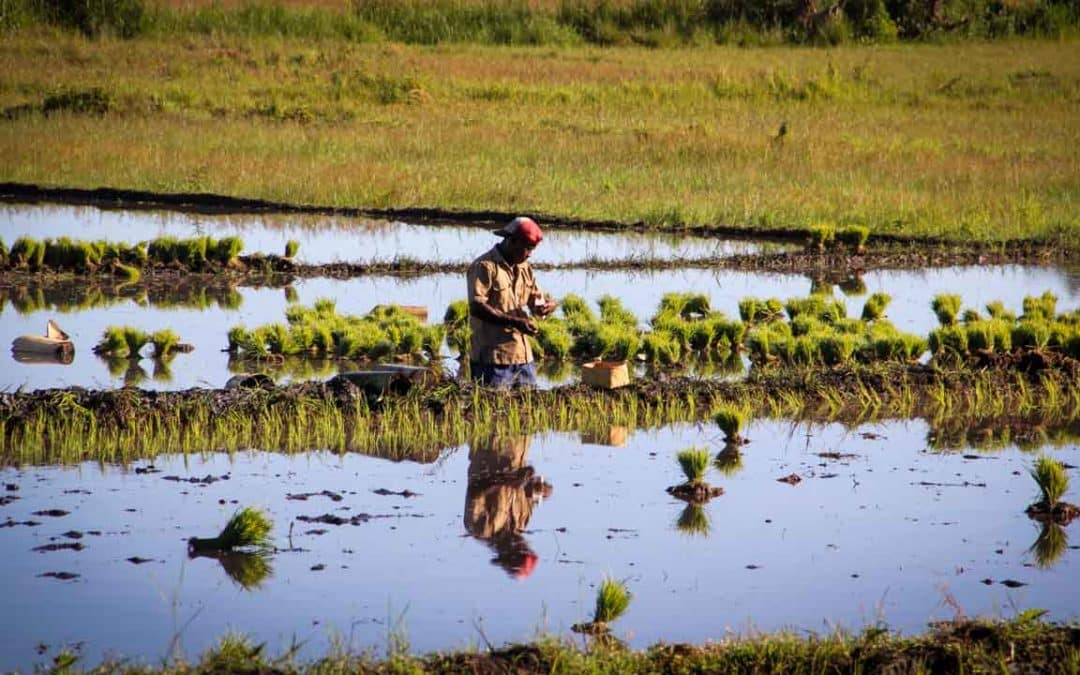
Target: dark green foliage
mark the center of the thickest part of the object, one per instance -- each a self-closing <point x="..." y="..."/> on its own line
<point x="93" y="101"/>
<point x="612" y="600"/>
<point x="827" y="310"/>
<point x="1049" y="475"/>
<point x="248" y="528"/>
<point x="119" y="18"/>
<point x="946" y="307"/>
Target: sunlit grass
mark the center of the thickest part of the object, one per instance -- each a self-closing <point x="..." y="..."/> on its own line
<point x="922" y="140"/>
<point x="1049" y="475"/>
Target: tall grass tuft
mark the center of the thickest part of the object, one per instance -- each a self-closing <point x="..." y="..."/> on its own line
<point x="612" y="601"/>
<point x="247" y="528"/>
<point x="694" y="462"/>
<point x="1053" y="482"/>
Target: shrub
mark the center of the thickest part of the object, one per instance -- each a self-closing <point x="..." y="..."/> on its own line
<point x="946" y="306"/>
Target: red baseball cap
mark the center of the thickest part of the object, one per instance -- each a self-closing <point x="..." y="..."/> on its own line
<point x="525" y="228"/>
<point x="527" y="565"/>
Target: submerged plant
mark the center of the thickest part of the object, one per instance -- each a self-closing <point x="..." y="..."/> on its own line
<point x="248" y="528"/>
<point x="694" y="462"/>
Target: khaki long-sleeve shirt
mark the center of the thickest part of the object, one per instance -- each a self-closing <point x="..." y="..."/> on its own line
<point x="507" y="288"/>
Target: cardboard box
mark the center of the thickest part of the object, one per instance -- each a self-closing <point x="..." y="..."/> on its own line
<point x="613" y="436"/>
<point x="606" y="374"/>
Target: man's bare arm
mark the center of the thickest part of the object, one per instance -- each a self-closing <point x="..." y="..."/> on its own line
<point x="485" y="312"/>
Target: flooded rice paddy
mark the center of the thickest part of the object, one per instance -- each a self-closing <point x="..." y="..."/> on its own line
<point x="507" y="537"/>
<point x="325" y="239"/>
<point x="206" y="327"/>
<point x="880" y="530"/>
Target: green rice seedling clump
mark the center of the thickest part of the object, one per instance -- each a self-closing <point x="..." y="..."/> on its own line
<point x="822" y="236"/>
<point x="225" y="250"/>
<point x="1049" y="475"/>
<point x="247" y="528"/>
<point x="164" y="341"/>
<point x="949" y="340"/>
<point x="661" y="347"/>
<point x="1042" y="308"/>
<point x="292" y="247"/>
<point x="112" y="342"/>
<point x="27" y="252"/>
<point x="694" y="462"/>
<point x="613" y="312"/>
<point x="731" y="421"/>
<point x="612" y="601"/>
<point x="990" y="335"/>
<point x="946" y="307"/>
<point x="554" y="339"/>
<point x="970" y="315"/>
<point x="756" y="310"/>
<point x="996" y="310"/>
<point x="853" y="236"/>
<point x="874" y="308"/>
<point x="1030" y="335"/>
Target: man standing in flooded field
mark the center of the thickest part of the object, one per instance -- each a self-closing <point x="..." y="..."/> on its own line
<point x="503" y="298"/>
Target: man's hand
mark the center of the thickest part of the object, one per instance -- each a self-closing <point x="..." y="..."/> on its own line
<point x="546" y="308"/>
<point x="525" y="325"/>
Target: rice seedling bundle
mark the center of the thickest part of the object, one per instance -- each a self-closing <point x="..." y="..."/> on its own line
<point x="946" y="307"/>
<point x="292" y="247"/>
<point x="731" y="421"/>
<point x="996" y="310"/>
<point x="1042" y="308"/>
<point x="247" y="528"/>
<point x="874" y="308"/>
<point x="1049" y="475"/>
<point x="949" y="339"/>
<point x="612" y="601"/>
<point x="694" y="462"/>
<point x="754" y="310"/>
<point x="822" y="235"/>
<point x="853" y="236"/>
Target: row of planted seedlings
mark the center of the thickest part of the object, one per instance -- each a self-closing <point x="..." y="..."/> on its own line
<point x="203" y="253"/>
<point x="120" y="425"/>
<point x="70" y="298"/>
<point x="968" y="334"/>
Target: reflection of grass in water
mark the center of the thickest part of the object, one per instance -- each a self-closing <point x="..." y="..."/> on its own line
<point x="694" y="521"/>
<point x="162" y="369"/>
<point x="248" y="570"/>
<point x="729" y="461"/>
<point x="1049" y="545"/>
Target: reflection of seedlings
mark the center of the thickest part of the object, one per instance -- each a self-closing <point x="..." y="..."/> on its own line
<point x="1053" y="482"/>
<point x="694" y="462"/>
<point x="731" y="421"/>
<point x="853" y="285"/>
<point x="612" y="600"/>
<point x="729" y="460"/>
<point x="694" y="520"/>
<point x="246" y="570"/>
<point x="248" y="528"/>
<point x="1049" y="545"/>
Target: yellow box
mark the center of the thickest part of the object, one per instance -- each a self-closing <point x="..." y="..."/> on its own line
<point x="605" y="374"/>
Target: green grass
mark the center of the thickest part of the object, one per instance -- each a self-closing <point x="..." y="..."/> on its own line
<point x="919" y="140"/>
<point x="731" y="421"/>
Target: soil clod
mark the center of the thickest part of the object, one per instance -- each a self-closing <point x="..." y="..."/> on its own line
<point x="62" y="576"/>
<point x="66" y="546"/>
<point x="136" y="560"/>
<point x="303" y="496"/>
<point x="52" y="513"/>
<point x="790" y="479"/>
<point x="383" y="492"/>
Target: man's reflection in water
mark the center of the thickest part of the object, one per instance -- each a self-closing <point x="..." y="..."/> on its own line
<point x="500" y="499"/>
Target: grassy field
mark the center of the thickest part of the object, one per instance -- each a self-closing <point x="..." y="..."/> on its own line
<point x="970" y="141"/>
